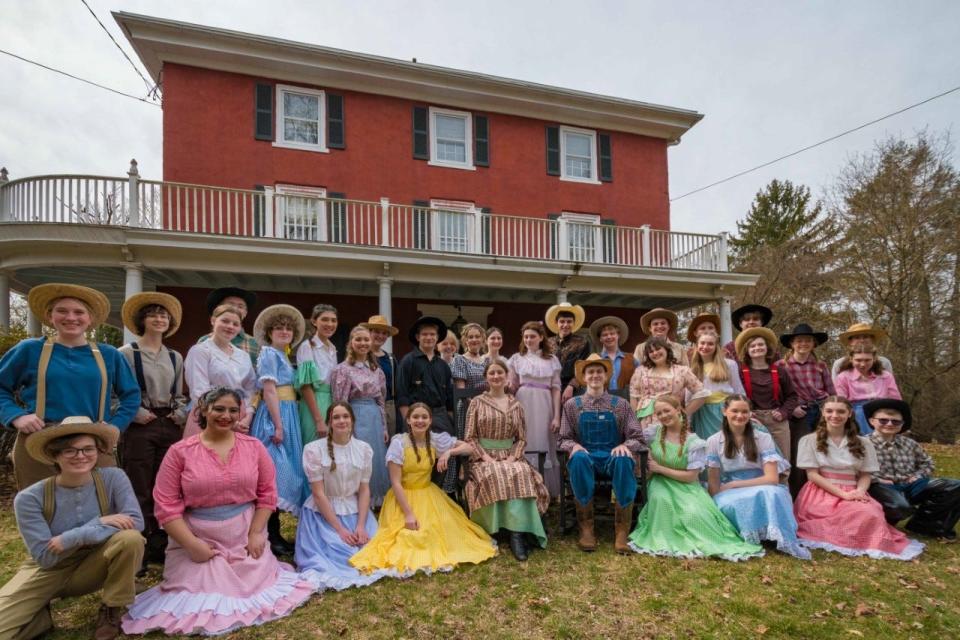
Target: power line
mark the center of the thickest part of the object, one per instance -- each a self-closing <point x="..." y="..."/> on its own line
<point x="70" y="75"/>
<point x="817" y="144"/>
<point x="150" y="86"/>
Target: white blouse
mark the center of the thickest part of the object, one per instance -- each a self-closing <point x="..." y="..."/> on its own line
<point x="729" y="386"/>
<point x="323" y="356"/>
<point x="766" y="450"/>
<point x="207" y="366"/>
<point x="354" y="466"/>
<point x="838" y="458"/>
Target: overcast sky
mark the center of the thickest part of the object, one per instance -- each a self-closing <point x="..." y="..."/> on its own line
<point x="770" y="77"/>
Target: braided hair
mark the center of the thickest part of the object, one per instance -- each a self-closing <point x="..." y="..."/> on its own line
<point x="416" y="449"/>
<point x="353" y="420"/>
<point x="684" y="428"/>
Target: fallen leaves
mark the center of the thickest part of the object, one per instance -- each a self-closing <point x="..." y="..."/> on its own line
<point x="863" y="610"/>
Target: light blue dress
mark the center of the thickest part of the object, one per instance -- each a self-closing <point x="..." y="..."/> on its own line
<point x="763" y="512"/>
<point x="292" y="488"/>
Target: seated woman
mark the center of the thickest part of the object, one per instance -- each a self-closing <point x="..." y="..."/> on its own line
<point x="834" y="511"/>
<point x="744" y="468"/>
<point x="214" y="493"/>
<point x="421" y="529"/>
<point x="82" y="530"/>
<point x="503" y="490"/>
<point x="680" y="519"/>
<point x="336" y="519"/>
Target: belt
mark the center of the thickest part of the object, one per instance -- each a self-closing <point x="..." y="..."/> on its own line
<point x="494" y="443"/>
<point x="284" y="392"/>
<point x="536" y="385"/>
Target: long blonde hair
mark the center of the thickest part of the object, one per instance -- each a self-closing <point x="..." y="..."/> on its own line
<point x="370" y="361"/>
<point x="715" y="368"/>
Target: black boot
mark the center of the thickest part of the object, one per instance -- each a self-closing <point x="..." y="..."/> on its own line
<point x="278" y="545"/>
<point x="518" y="545"/>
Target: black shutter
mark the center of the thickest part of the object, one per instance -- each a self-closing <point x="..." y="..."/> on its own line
<point x="336" y="138"/>
<point x="421" y="224"/>
<point x="554" y="236"/>
<point x="608" y="231"/>
<point x="258" y="205"/>
<point x="263" y="112"/>
<point x="481" y="142"/>
<point x="421" y="133"/>
<point x="606" y="161"/>
<point x="553" y="151"/>
<point x="485" y="230"/>
<point x="337" y="220"/>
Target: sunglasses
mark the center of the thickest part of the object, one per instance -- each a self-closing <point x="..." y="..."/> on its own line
<point x="891" y="421"/>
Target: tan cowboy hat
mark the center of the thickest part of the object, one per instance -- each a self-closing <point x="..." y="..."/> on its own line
<point x="745" y="336"/>
<point x="597" y="325"/>
<point x="594" y="358"/>
<point x="72" y="426"/>
<point x="42" y="296"/>
<point x="268" y="314"/>
<point x="133" y="304"/>
<point x="659" y="312"/>
<point x="379" y="322"/>
<point x="712" y="318"/>
<point x="863" y="329"/>
<point x="550" y="319"/>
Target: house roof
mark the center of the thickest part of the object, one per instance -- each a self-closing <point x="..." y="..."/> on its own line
<point x="158" y="41"/>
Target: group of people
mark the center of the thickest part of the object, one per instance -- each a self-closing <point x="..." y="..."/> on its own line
<point x="273" y="422"/>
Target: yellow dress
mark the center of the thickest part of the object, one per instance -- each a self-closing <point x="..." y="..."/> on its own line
<point x="446" y="536"/>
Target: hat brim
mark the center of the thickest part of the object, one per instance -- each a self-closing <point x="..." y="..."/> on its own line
<point x="712" y="318"/>
<point x="259" y="326"/>
<point x="215" y="297"/>
<point x="42" y="296"/>
<point x="431" y="320"/>
<point x="756" y="332"/>
<point x="819" y="336"/>
<point x="38" y="440"/>
<point x="136" y="302"/>
<point x="664" y="314"/>
<point x="765" y="312"/>
<point x="382" y="327"/>
<point x="876" y="334"/>
<point x="890" y="403"/>
<point x="581" y="365"/>
<point x="550" y="318"/>
<point x="597" y="325"/>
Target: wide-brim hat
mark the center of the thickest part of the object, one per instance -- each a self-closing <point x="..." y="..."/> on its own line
<point x="659" y="312"/>
<point x="597" y="325"/>
<point x="863" y="329"/>
<point x="379" y="322"/>
<point x="593" y="358"/>
<point x="432" y="320"/>
<point x="550" y="319"/>
<point x="274" y="310"/>
<point x="889" y="403"/>
<point x="215" y="297"/>
<point x="72" y="426"/>
<point x="756" y="332"/>
<point x="765" y="313"/>
<point x="133" y="304"/>
<point x="803" y="329"/>
<point x="43" y="295"/>
<point x="699" y="320"/>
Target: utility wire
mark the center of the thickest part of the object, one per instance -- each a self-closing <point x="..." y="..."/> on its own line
<point x="816" y="144"/>
<point x="150" y="86"/>
<point x="70" y="75"/>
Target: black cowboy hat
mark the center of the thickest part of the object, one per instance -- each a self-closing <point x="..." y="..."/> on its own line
<point x="803" y="329"/>
<point x="431" y="320"/>
<point x="764" y="312"/>
<point x="889" y="403"/>
<point x="215" y="297"/>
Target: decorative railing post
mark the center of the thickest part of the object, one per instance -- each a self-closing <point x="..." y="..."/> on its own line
<point x="384" y="222"/>
<point x="645" y="245"/>
<point x="475" y="244"/>
<point x="269" y="226"/>
<point x="133" y="187"/>
<point x="4" y="198"/>
<point x="724" y="238"/>
<point x="563" y="239"/>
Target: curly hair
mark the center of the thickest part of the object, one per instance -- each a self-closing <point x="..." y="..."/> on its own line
<point x="284" y="320"/>
<point x="850" y="429"/>
<point x="353" y="420"/>
<point x="749" y="441"/>
<point x="140" y="318"/>
<point x="546" y="349"/>
<point x="211" y="396"/>
<point x="654" y="343"/>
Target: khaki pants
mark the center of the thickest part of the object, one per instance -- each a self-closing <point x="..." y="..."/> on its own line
<point x="27" y="470"/>
<point x="112" y="565"/>
<point x="779" y="430"/>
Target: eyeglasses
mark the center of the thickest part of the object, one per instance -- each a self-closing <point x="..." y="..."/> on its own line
<point x="73" y="452"/>
<point x="891" y="421"/>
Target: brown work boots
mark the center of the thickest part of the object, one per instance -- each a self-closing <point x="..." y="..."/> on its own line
<point x="622" y="520"/>
<point x="108" y="622"/>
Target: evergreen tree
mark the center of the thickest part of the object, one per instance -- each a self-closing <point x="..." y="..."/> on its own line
<point x="779" y="213"/>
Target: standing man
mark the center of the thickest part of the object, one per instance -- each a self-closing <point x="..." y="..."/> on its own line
<point x="610" y="333"/>
<point x="746" y="317"/>
<point x="243" y="300"/>
<point x="380" y="329"/>
<point x="661" y="323"/>
<point x="423" y="376"/>
<point x="565" y="320"/>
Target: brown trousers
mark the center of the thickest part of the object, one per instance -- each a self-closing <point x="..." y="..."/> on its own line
<point x="142" y="449"/>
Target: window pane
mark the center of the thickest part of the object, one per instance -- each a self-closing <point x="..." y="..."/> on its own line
<point x="301" y="131"/>
<point x="452" y="230"/>
<point x="578" y="167"/>
<point x="579" y="145"/>
<point x="297" y="105"/>
<point x="451" y="151"/>
<point x="452" y="128"/>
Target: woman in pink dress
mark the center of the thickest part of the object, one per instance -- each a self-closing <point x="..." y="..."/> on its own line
<point x="535" y="380"/>
<point x="861" y="379"/>
<point x="833" y="509"/>
<point x="213" y="495"/>
<point x="658" y="374"/>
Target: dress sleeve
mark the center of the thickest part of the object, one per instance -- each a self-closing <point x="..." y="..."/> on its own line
<point x="307" y="374"/>
<point x="340" y="383"/>
<point x="513" y="376"/>
<point x="458" y="369"/>
<point x="768" y="452"/>
<point x="715" y="451"/>
<point x="442" y="441"/>
<point x="557" y="368"/>
<point x="366" y="472"/>
<point x="395" y="450"/>
<point x="693" y="385"/>
<point x="470" y="432"/>
<point x="167" y="491"/>
<point x="314" y="459"/>
<point x="735" y="382"/>
<point x="268" y="366"/>
<point x="696" y="453"/>
<point x="520" y="442"/>
<point x="869" y="464"/>
<point x="807" y="452"/>
<point x="650" y="432"/>
<point x="266" y="478"/>
<point x="636" y="383"/>
<point x="196" y="368"/>
<point x="304" y="352"/>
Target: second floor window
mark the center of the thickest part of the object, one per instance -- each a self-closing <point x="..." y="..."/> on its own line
<point x="451" y="138"/>
<point x="578" y="153"/>
<point x="300" y="118"/>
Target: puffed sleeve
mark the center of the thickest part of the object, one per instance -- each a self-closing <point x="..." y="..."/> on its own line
<point x="459" y="367"/>
<point x="636" y="383"/>
<point x="340" y="383"/>
<point x="807" y="452"/>
<point x="315" y="459"/>
<point x="304" y="352"/>
<point x="556" y="367"/>
<point x="268" y="366"/>
<point x="442" y="441"/>
<point x="735" y="382"/>
<point x="715" y="451"/>
<point x="768" y="451"/>
<point x="696" y="453"/>
<point x="167" y="490"/>
<point x="266" y="478"/>
<point x="366" y="471"/>
<point x="869" y="464"/>
<point x="650" y="432"/>
<point x="395" y="450"/>
<point x="196" y="370"/>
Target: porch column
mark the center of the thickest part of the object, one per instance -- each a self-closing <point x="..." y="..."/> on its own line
<point x="33" y="325"/>
<point x="726" y="324"/>
<point x="134" y="284"/>
<point x="561" y="295"/>
<point x="4" y="301"/>
<point x="386" y="307"/>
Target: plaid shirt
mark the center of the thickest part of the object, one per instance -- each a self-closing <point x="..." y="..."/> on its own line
<point x="243" y="342"/>
<point x="627" y="423"/>
<point x="811" y="379"/>
<point x="901" y="458"/>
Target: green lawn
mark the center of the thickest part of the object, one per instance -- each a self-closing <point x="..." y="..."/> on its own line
<point x="563" y="593"/>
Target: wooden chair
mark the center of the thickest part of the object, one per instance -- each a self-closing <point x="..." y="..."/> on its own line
<point x="566" y="516"/>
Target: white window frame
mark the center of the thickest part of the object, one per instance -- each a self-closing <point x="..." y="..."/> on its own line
<point x="293" y="190"/>
<point x="566" y="238"/>
<point x="321" y="146"/>
<point x="459" y="208"/>
<point x="468" y="139"/>
<point x="594" y="158"/>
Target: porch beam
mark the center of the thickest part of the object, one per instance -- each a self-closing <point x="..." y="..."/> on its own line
<point x="133" y="285"/>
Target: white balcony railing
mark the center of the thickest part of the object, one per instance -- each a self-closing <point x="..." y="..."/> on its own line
<point x="171" y="206"/>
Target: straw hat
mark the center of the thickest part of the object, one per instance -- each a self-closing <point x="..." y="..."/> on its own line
<point x="594" y="358"/>
<point x="766" y="315"/>
<point x="133" y="304"/>
<point x="267" y="315"/>
<point x="215" y="297"/>
<point x="379" y="322"/>
<point x="436" y="322"/>
<point x="74" y="425"/>
<point x="43" y="295"/>
<point x="762" y="332"/>
<point x="597" y="325"/>
<point x="659" y="312"/>
<point x="550" y="319"/>
<point x="712" y="318"/>
<point x="862" y="329"/>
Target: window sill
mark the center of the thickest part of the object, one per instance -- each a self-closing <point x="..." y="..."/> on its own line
<point x="301" y="147"/>
<point x="580" y="180"/>
<point x="451" y="165"/>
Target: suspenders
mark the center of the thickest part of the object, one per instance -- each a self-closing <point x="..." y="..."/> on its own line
<point x="50" y="499"/>
<point x="46" y="352"/>
<point x="774" y="377"/>
<point x="142" y="381"/>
